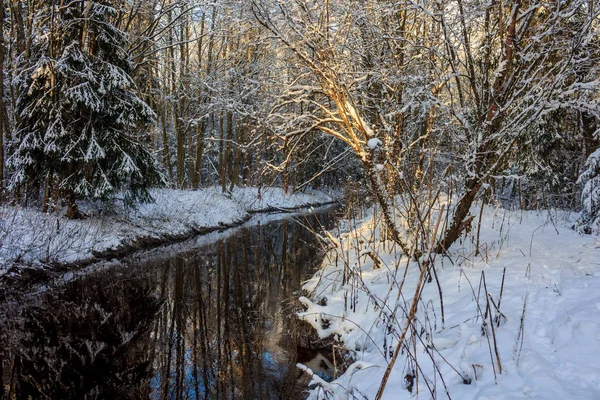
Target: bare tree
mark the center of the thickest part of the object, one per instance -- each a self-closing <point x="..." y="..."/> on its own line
<point x="453" y="83"/>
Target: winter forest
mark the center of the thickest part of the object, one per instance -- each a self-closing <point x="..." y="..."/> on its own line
<point x="292" y="199"/>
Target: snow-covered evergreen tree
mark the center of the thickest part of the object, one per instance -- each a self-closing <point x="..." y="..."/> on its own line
<point x="79" y="113"/>
<point x="589" y="222"/>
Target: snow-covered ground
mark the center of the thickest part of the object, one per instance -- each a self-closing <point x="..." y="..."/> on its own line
<point x="546" y="338"/>
<point x="29" y="236"/>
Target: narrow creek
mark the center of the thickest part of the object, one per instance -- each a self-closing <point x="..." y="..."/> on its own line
<point x="210" y="321"/>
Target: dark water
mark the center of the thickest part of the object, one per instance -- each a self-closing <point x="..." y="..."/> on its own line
<point x="212" y="322"/>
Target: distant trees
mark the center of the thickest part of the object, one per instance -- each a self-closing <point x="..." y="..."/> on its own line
<point x="447" y="96"/>
<point x="104" y="94"/>
<point x="209" y="73"/>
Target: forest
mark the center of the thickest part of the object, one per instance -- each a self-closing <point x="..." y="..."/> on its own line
<point x="444" y="127"/>
<point x="106" y="97"/>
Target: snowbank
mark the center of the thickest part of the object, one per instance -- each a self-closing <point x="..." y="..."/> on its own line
<point x="30" y="237"/>
<point x="543" y="292"/>
<point x="275" y="200"/>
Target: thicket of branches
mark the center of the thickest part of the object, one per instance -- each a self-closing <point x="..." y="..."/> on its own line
<point x="446" y="97"/>
<point x="105" y="98"/>
<point x="451" y="99"/>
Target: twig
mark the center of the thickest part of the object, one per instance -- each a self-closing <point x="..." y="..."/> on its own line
<point x="520" y="336"/>
<point x="492" y="324"/>
<point x="413" y="311"/>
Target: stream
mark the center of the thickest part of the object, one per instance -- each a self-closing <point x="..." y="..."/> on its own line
<point x="208" y="319"/>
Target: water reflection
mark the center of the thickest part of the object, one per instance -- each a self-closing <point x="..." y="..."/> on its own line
<point x="203" y="324"/>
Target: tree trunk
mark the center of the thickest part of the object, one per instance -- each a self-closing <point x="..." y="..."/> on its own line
<point x="460" y="222"/>
<point x="3" y="125"/>
<point x="588" y="127"/>
<point x="176" y="108"/>
<point x="197" y="176"/>
<point x="222" y="165"/>
<point x="165" y="140"/>
<point x="384" y="201"/>
<point x="47" y="191"/>
<point x="72" y="208"/>
<point x="17" y="17"/>
<point x="239" y="151"/>
<point x="180" y="136"/>
<point x="229" y="148"/>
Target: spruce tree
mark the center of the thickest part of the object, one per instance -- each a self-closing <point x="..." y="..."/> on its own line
<point x="589" y="221"/>
<point x="79" y="115"/>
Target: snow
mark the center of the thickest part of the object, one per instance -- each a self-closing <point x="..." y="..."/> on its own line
<point x="551" y="271"/>
<point x="273" y="199"/>
<point x="31" y="237"/>
<point x="373" y="143"/>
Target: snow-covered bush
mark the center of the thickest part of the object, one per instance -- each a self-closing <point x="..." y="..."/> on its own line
<point x="589" y="222"/>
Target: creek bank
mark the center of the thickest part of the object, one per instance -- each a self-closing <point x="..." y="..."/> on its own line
<point x="224" y="305"/>
<point x="515" y="315"/>
<point x="37" y="247"/>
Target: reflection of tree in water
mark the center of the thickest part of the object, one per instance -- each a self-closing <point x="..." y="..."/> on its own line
<point x="219" y="334"/>
<point x="89" y="340"/>
<point x="222" y="331"/>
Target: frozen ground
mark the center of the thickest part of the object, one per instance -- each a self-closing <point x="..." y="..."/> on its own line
<point x="546" y="322"/>
<point x="30" y="237"/>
